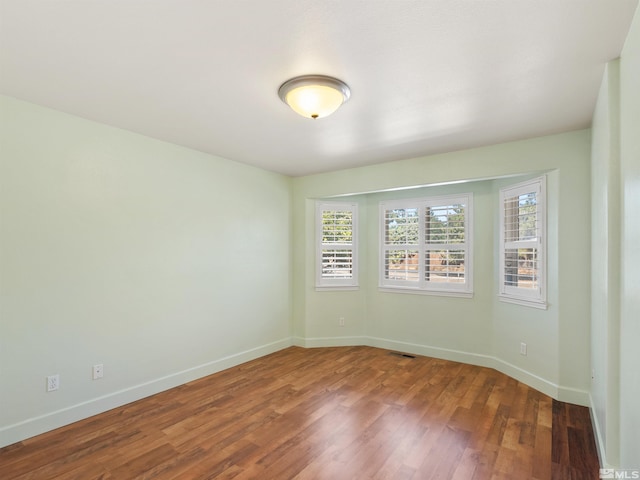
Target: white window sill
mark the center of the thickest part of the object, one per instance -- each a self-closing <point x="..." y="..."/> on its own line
<point x="337" y="288"/>
<point x="417" y="291"/>
<point x="524" y="302"/>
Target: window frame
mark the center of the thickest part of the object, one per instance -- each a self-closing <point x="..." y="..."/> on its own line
<point x="536" y="298"/>
<point x="349" y="283"/>
<point x="422" y="286"/>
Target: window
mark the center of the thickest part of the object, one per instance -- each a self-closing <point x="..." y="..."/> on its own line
<point x="336" y="245"/>
<point x="522" y="243"/>
<point x="426" y="245"/>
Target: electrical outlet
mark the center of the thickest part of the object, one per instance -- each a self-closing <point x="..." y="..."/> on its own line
<point x="98" y="371"/>
<point x="53" y="382"/>
<point x="341" y="321"/>
<point x="523" y="348"/>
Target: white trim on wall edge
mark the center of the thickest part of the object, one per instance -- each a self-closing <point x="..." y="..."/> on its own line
<point x="600" y="443"/>
<point x="50" y="421"/>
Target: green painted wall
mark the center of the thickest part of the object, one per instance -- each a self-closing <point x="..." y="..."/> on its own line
<point x="425" y="320"/>
<point x="162" y="263"/>
<point x="480" y="330"/>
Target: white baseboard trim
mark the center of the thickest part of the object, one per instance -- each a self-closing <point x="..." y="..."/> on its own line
<point x="429" y="351"/>
<point x="488" y="361"/>
<point x="330" y="342"/>
<point x="528" y="378"/>
<point x="573" y="395"/>
<point x="564" y="394"/>
<point x="52" y="420"/>
<point x="49" y="421"/>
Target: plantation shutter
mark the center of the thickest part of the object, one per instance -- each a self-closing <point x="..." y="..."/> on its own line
<point x="445" y="243"/>
<point x="336" y="232"/>
<point x="522" y="232"/>
<point x="425" y="244"/>
<point x="401" y="246"/>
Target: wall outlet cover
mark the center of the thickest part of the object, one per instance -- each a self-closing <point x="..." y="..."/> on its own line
<point x="98" y="371"/>
<point x="53" y="382"/>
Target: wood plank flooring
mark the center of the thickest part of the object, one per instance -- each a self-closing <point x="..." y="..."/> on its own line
<point x="326" y="413"/>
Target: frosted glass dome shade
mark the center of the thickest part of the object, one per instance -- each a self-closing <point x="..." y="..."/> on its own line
<point x="314" y="96"/>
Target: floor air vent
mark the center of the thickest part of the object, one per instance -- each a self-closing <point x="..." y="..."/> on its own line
<point x="400" y="354"/>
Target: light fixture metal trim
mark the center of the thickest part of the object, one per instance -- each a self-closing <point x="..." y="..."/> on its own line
<point x="317" y="82"/>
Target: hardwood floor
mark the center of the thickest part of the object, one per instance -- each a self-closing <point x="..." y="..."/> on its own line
<point x="327" y="413"/>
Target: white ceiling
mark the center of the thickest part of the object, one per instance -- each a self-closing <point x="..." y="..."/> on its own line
<point x="426" y="76"/>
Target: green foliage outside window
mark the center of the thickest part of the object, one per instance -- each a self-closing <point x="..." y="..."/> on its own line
<point x="337" y="227"/>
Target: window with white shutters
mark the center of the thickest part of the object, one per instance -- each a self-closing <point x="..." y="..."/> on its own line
<point x="522" y="243"/>
<point x="336" y="225"/>
<point x="426" y="245"/>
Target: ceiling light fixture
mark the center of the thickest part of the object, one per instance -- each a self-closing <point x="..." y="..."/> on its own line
<point x="314" y="96"/>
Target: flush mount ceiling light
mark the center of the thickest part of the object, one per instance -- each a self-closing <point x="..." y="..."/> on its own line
<point x="314" y="96"/>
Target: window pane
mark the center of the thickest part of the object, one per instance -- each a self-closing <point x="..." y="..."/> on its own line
<point x="426" y="244"/>
<point x="520" y="217"/>
<point x="402" y="265"/>
<point x="401" y="226"/>
<point x="445" y="266"/>
<point x="444" y="224"/>
<point x="337" y="227"/>
<point x="337" y="263"/>
<point x="521" y="267"/>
